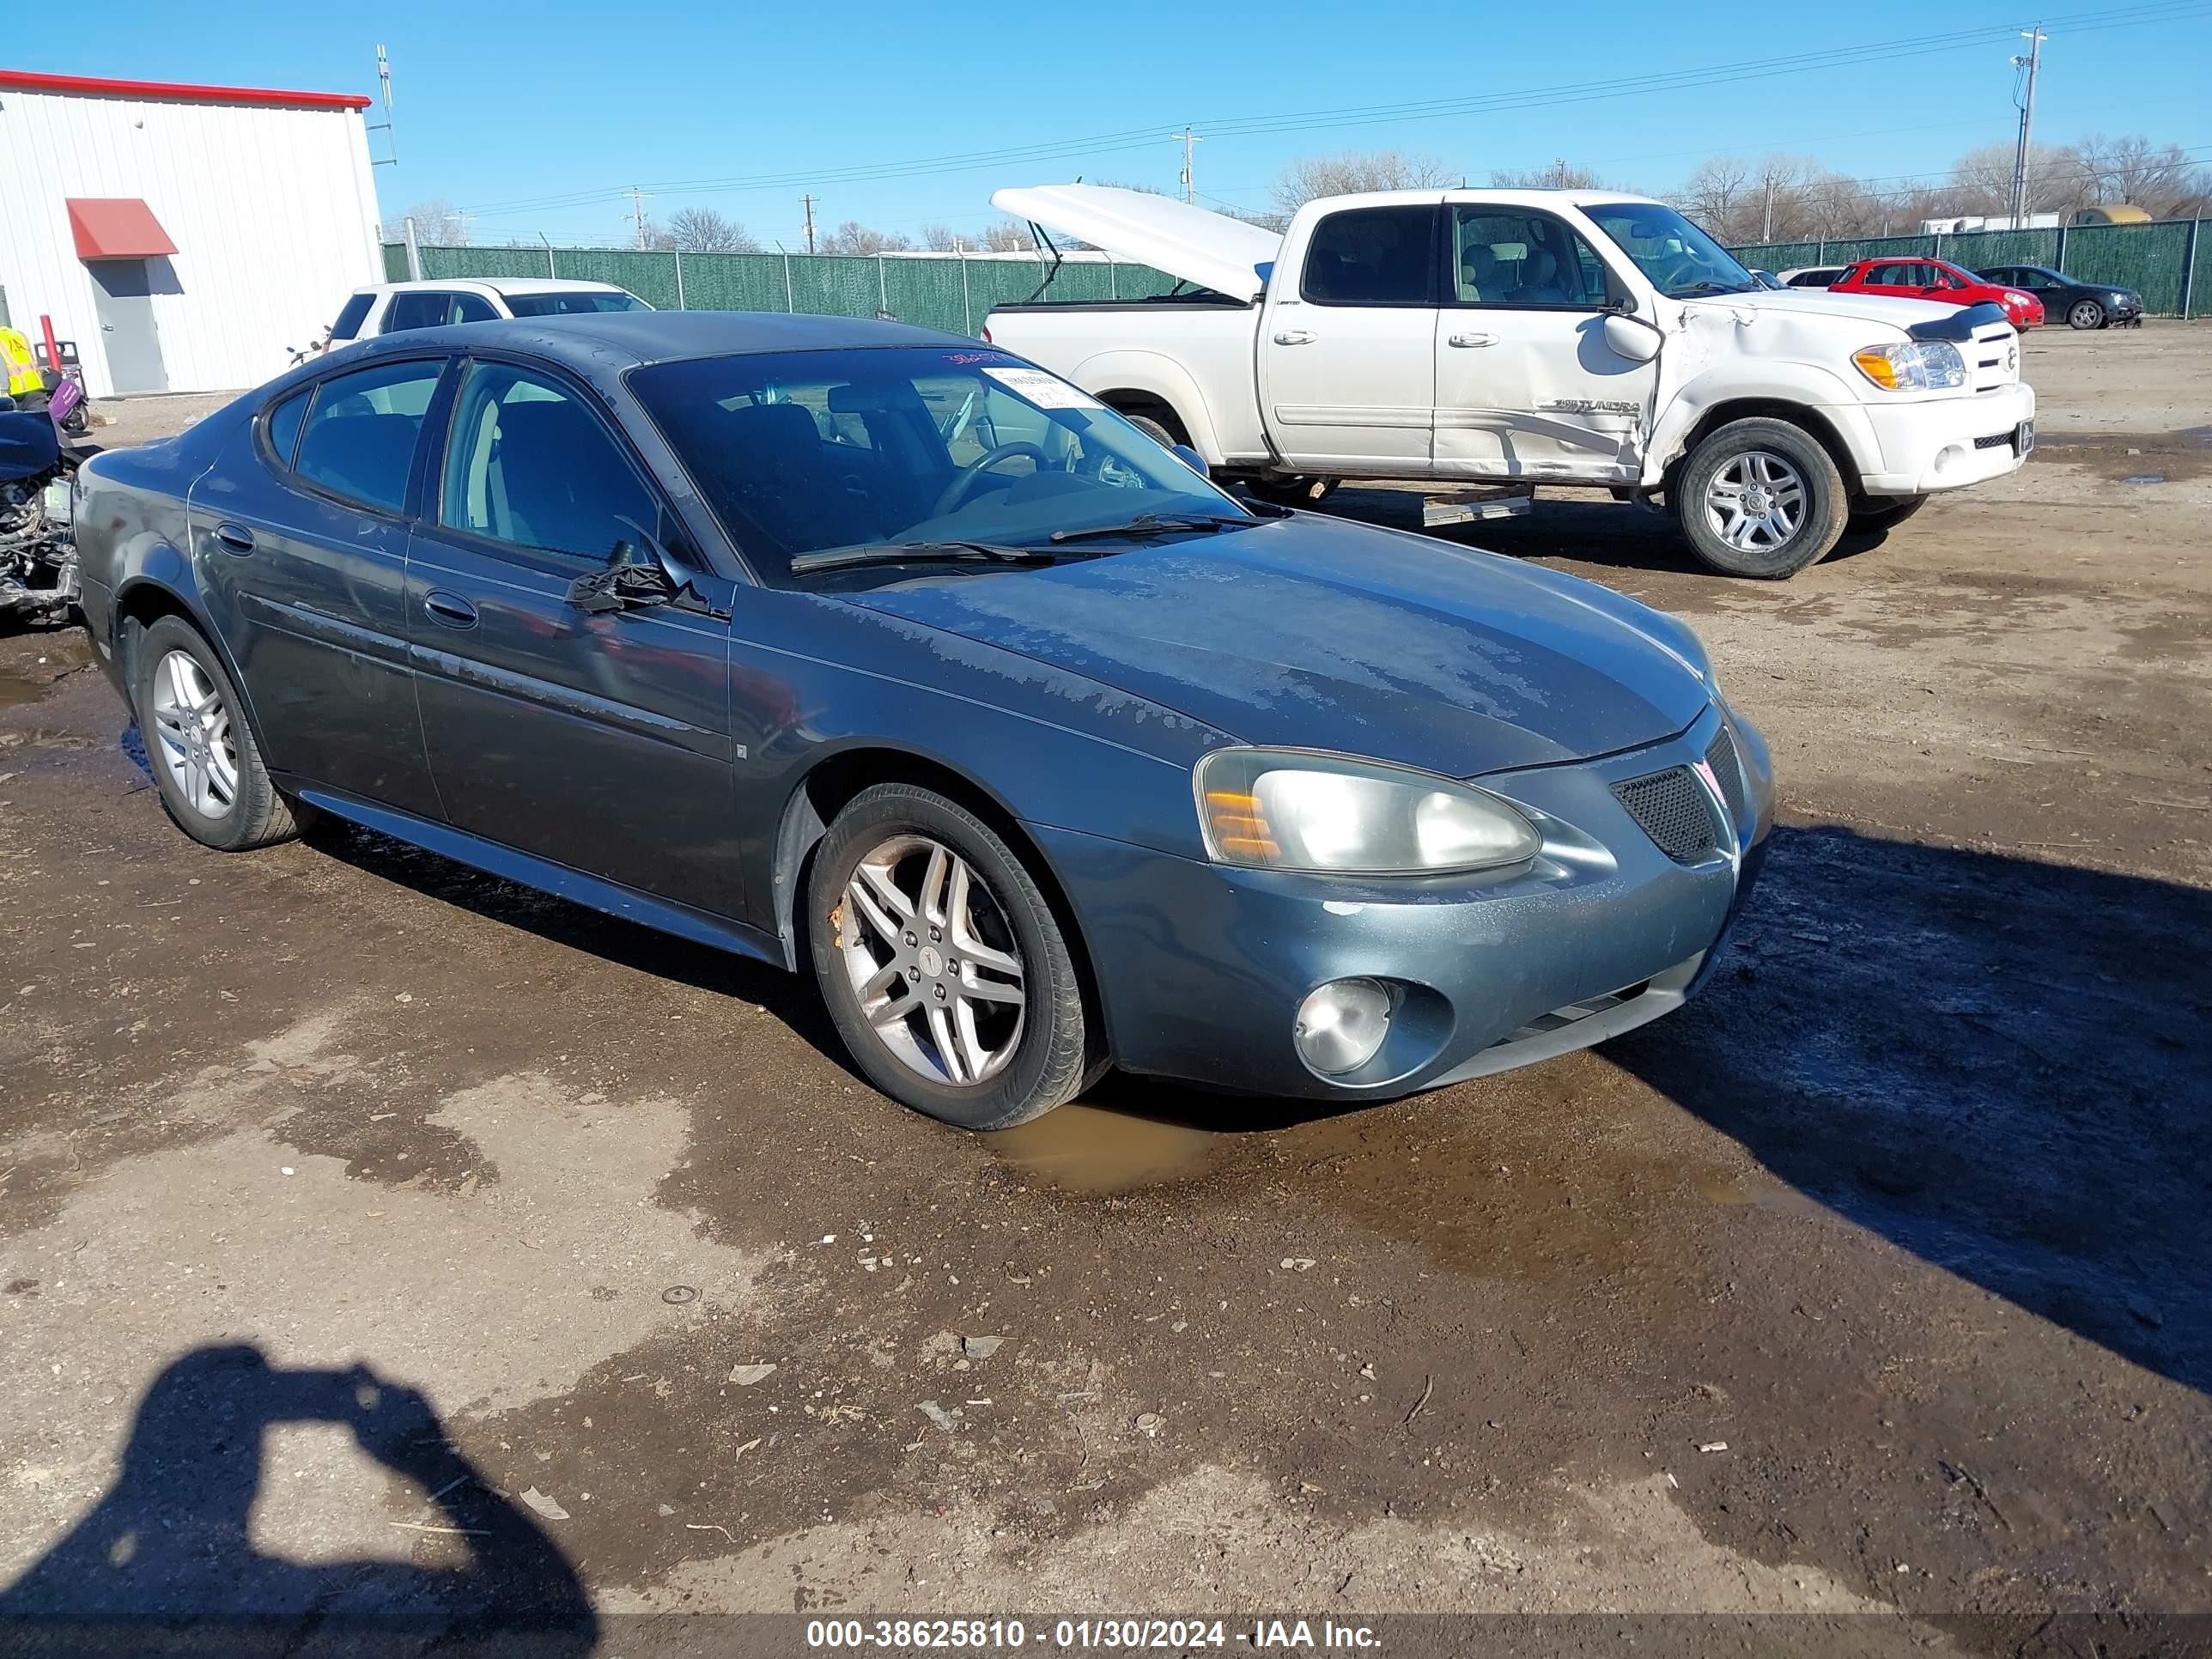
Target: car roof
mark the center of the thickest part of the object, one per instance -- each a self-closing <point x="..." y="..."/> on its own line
<point x="497" y="285"/>
<point x="598" y="346"/>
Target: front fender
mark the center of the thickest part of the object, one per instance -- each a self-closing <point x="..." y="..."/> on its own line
<point x="1803" y="386"/>
<point x="1163" y="378"/>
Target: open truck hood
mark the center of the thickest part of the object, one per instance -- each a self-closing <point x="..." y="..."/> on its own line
<point x="1210" y="249"/>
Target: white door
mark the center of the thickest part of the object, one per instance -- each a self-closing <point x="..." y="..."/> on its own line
<point x="1347" y="344"/>
<point x="1527" y="387"/>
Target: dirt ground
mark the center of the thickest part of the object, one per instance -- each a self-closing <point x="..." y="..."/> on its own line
<point x="377" y="1237"/>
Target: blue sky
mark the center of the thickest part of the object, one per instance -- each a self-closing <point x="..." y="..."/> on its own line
<point x="499" y="110"/>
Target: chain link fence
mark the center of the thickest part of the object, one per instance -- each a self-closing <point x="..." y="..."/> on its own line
<point x="2170" y="264"/>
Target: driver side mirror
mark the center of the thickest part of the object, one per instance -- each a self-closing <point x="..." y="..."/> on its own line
<point x="628" y="583"/>
<point x="1191" y="458"/>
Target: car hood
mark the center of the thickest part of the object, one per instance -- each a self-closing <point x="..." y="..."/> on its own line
<point x="1213" y="250"/>
<point x="1897" y="313"/>
<point x="1315" y="634"/>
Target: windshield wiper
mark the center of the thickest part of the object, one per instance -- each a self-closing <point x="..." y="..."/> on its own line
<point x="839" y="558"/>
<point x="1156" y="524"/>
<point x="1711" y="287"/>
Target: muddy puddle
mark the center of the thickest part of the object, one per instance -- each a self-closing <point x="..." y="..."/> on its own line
<point x="16" y="690"/>
<point x="1088" y="1149"/>
<point x="2134" y="458"/>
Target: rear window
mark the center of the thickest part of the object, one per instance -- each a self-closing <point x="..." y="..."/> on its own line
<point x="1381" y="256"/>
<point x="349" y="319"/>
<point x="360" y="435"/>
<point x="564" y="305"/>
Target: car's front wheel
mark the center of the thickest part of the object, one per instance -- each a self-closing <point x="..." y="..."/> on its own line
<point x="2087" y="313"/>
<point x="944" y="969"/>
<point x="1759" y="497"/>
<point x="205" y="763"/>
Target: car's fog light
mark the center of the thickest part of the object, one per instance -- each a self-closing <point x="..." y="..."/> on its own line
<point x="1341" y="1024"/>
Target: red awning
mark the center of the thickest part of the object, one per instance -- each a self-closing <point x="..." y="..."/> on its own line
<point x="116" y="228"/>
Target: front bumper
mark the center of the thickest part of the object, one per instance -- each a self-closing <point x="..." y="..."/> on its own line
<point x="1201" y="967"/>
<point x="1947" y="443"/>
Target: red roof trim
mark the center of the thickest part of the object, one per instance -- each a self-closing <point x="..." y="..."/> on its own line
<point x="185" y="92"/>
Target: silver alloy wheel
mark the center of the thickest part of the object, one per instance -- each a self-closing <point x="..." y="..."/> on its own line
<point x="933" y="961"/>
<point x="193" y="728"/>
<point x="2087" y="313"/>
<point x="1756" y="502"/>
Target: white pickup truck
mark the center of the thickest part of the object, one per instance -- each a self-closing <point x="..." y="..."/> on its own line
<point x="1520" y="337"/>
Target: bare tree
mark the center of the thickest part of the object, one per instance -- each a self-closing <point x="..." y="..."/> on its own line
<point x="1007" y="237"/>
<point x="437" y="224"/>
<point x="1713" y="193"/>
<point x="2159" y="179"/>
<point x="853" y="237"/>
<point x="1562" y="174"/>
<point x="1355" y="171"/>
<point x="655" y="237"/>
<point x="942" y="238"/>
<point x="703" y="230"/>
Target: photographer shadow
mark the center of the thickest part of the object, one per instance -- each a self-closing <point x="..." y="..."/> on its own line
<point x="164" y="1563"/>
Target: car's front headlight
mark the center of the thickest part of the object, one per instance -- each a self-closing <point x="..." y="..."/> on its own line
<point x="2013" y="297"/>
<point x="1287" y="809"/>
<point x="1912" y="366"/>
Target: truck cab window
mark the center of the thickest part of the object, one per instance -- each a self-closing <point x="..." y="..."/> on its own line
<point x="1511" y="257"/>
<point x="1380" y="256"/>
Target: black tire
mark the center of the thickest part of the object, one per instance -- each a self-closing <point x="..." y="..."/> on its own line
<point x="1299" y="491"/>
<point x="1826" y="505"/>
<point x="2086" y="314"/>
<point x="256" y="815"/>
<point x="1873" y="513"/>
<point x="1052" y="1058"/>
<point x="1152" y="429"/>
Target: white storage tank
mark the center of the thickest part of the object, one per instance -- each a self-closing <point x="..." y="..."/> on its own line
<point x="182" y="237"/>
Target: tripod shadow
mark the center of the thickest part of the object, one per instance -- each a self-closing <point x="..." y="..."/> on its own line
<point x="165" y="1563"/>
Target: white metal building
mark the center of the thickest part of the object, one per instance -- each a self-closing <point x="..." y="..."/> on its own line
<point x="182" y="237"/>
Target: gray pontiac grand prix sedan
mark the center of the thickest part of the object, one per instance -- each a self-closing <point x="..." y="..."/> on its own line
<point x="865" y="649"/>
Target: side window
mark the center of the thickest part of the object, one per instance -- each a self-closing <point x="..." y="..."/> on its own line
<point x="358" y="441"/>
<point x="1889" y="276"/>
<point x="529" y="463"/>
<point x="281" y="425"/>
<point x="1381" y="256"/>
<point x="416" y="309"/>
<point x="472" y="309"/>
<point x="350" y="320"/>
<point x="1511" y="257"/>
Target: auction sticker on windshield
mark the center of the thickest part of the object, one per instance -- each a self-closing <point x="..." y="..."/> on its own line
<point x="1045" y="391"/>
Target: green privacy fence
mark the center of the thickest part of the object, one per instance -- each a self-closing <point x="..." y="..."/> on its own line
<point x="2170" y="264"/>
<point x="949" y="291"/>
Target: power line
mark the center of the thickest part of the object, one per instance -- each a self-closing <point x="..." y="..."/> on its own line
<point x="2154" y="13"/>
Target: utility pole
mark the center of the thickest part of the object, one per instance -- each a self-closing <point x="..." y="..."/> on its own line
<point x="2032" y="63"/>
<point x="809" y="201"/>
<point x="1190" y="139"/>
<point x="637" y="206"/>
<point x="1766" y="234"/>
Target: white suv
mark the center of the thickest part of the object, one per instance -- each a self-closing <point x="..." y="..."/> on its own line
<point x="390" y="306"/>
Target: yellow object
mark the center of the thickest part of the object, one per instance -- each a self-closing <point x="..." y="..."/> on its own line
<point x="22" y="365"/>
<point x="1876" y="367"/>
<point x="2113" y="213"/>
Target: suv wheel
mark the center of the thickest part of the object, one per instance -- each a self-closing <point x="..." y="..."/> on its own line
<point x="1759" y="497"/>
<point x="943" y="968"/>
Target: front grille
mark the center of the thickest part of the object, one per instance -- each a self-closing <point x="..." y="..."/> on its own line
<point x="1995" y="440"/>
<point x="1728" y="772"/>
<point x="1672" y="808"/>
<point x="1545" y="1024"/>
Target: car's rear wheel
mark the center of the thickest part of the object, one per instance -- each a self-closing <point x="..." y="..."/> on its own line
<point x="1874" y="512"/>
<point x="206" y="766"/>
<point x="2086" y="314"/>
<point x="1152" y="429"/>
<point x="944" y="969"/>
<point x="1759" y="497"/>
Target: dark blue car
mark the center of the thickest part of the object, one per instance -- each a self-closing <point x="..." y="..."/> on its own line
<point x="857" y="646"/>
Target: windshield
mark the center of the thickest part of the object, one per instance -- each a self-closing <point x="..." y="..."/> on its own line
<point x="802" y="451"/>
<point x="1682" y="260"/>
<point x="571" y="304"/>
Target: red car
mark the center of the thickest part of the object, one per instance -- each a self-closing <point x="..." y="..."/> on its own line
<point x="1941" y="280"/>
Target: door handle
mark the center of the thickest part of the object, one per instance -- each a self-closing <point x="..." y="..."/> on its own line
<point x="234" y="538"/>
<point x="449" y="609"/>
<point x="1472" y="340"/>
<point x="1296" y="337"/>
